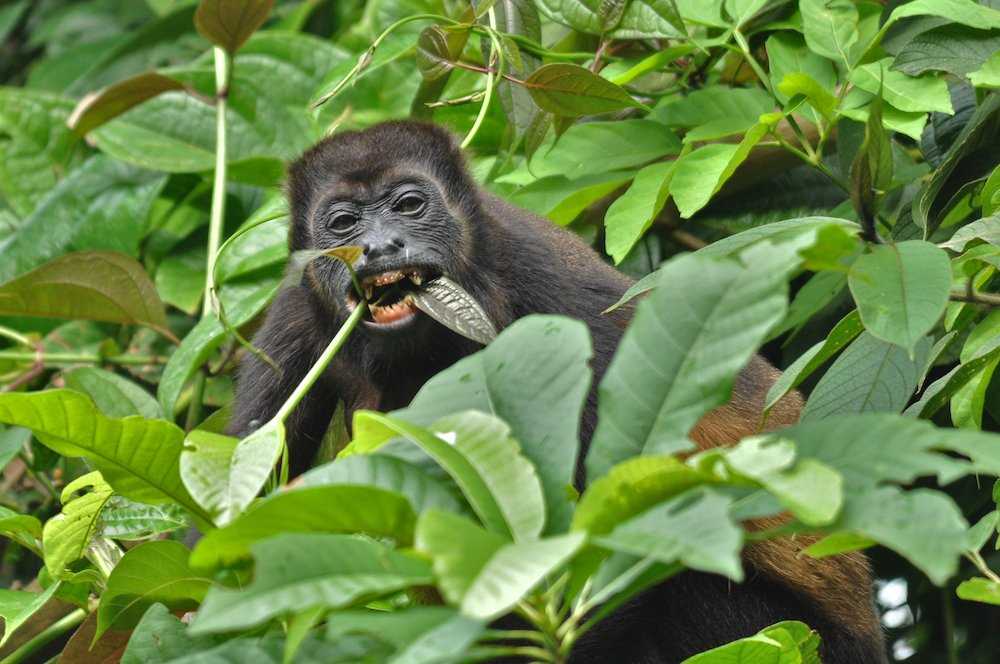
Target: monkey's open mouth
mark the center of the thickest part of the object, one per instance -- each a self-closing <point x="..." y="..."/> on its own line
<point x="389" y="295"/>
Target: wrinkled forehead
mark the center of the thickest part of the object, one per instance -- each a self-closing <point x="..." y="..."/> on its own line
<point x="372" y="182"/>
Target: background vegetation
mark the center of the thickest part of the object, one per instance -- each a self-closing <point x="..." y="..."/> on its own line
<point x="818" y="180"/>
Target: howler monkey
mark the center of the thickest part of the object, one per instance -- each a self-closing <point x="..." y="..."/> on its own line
<point x="401" y="191"/>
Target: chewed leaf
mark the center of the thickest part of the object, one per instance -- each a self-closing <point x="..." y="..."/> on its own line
<point x="447" y="303"/>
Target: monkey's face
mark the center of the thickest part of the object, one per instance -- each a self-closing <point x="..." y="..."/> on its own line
<point x="408" y="235"/>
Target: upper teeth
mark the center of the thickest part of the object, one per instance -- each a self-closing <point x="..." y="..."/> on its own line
<point x="416" y="278"/>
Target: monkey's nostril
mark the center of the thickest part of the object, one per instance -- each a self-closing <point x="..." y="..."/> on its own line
<point x="398" y="241"/>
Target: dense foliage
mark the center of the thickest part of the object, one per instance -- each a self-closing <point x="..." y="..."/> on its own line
<point x="816" y="180"/>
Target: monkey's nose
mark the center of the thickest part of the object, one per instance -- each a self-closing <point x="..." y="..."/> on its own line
<point x="383" y="247"/>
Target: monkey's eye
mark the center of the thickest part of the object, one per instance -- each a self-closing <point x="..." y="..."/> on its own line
<point x="410" y="204"/>
<point x="342" y="221"/>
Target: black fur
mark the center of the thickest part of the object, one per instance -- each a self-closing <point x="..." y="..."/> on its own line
<point x="515" y="264"/>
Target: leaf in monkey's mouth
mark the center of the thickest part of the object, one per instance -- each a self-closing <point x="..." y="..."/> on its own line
<point x="447" y="303"/>
<point x="393" y="299"/>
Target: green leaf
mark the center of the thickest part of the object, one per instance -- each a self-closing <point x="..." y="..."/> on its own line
<point x="798" y="83"/>
<point x="694" y="528"/>
<point x="979" y="590"/>
<point x="242" y="302"/>
<point x="93" y="285"/>
<point x="115" y="395"/>
<point x="385" y="472"/>
<point x="956" y="49"/>
<point x="101" y="205"/>
<point x="978" y="135"/>
<point x="595" y="147"/>
<point x="808" y="488"/>
<point x="224" y="474"/>
<point x="632" y="213"/>
<point x="986" y="229"/>
<point x="480" y="571"/>
<point x="137" y="457"/>
<point x="907" y="93"/>
<point x="783" y="643"/>
<point x="374" y="512"/>
<point x="870" y="376"/>
<point x="442" y="642"/>
<point x="97" y="108"/>
<point x="229" y="23"/>
<point x="479" y="453"/>
<point x="37" y="146"/>
<point x="161" y="637"/>
<point x="571" y="90"/>
<point x="301" y="571"/>
<point x="398" y="628"/>
<point x="16" y="607"/>
<point x="901" y="290"/>
<point x="639" y="19"/>
<point x="631" y="487"/>
<point x="787" y="53"/>
<point x="680" y="355"/>
<point x="273" y="76"/>
<point x="68" y="534"/>
<point x="700" y="174"/>
<point x="842" y="334"/>
<point x="438" y="49"/>
<point x="562" y="200"/>
<point x="154" y="572"/>
<point x="128" y="520"/>
<point x="831" y="28"/>
<point x="923" y="526"/>
<point x="535" y="377"/>
<point x="872" y="449"/>
<point x="987" y="76"/>
<point x="966" y="12"/>
<point x="22" y="528"/>
<point x="714" y="104"/>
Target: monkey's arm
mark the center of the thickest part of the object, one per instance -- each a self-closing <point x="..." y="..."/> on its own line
<point x="291" y="337"/>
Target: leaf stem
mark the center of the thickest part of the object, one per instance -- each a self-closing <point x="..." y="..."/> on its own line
<point x="223" y="75"/>
<point x="494" y="57"/>
<point x="15" y="336"/>
<point x="50" y="633"/>
<point x="320" y="366"/>
<point x="80" y="358"/>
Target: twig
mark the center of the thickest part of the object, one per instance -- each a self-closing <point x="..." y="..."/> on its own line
<point x="972" y="297"/>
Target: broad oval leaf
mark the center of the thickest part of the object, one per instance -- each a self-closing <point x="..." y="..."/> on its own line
<point x="479" y="453"/>
<point x="321" y="509"/>
<point x="535" y="377"/>
<point x="871" y="375"/>
<point x="302" y="571"/>
<point x="93" y="285"/>
<point x="901" y="290"/>
<point x="694" y="528"/>
<point x="570" y="90"/>
<point x="115" y="395"/>
<point x="698" y="338"/>
<point x="139" y="458"/>
<point x="225" y="474"/>
<point x="154" y="572"/>
<point x="385" y="472"/>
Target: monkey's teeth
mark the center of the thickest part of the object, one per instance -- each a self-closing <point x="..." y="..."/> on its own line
<point x="369" y="291"/>
<point x="388" y="278"/>
<point x="416" y="278"/>
<point x="392" y="312"/>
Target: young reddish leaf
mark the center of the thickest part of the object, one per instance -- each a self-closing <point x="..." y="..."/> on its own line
<point x="571" y="90"/>
<point x="229" y="23"/>
<point x="93" y="285"/>
<point x="97" y="108"/>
